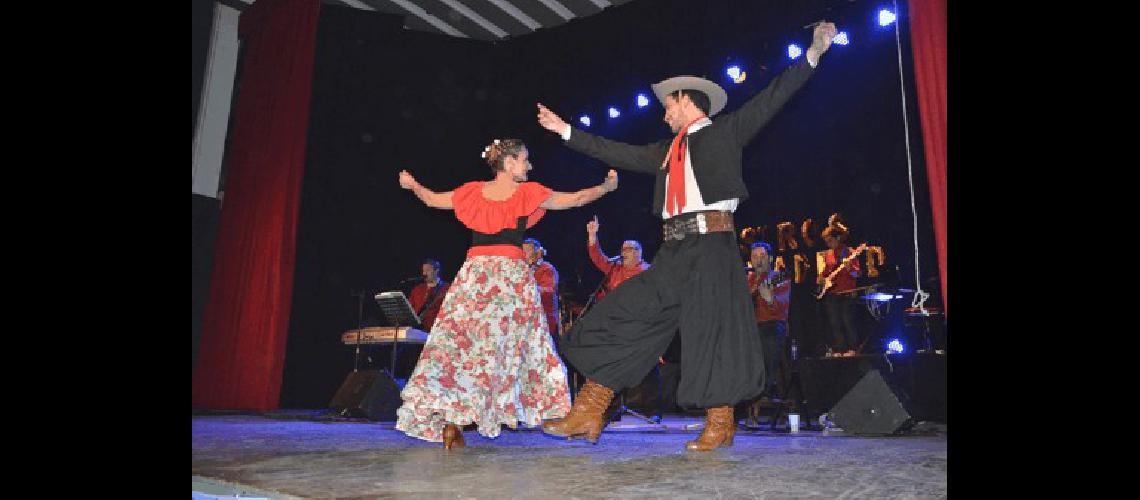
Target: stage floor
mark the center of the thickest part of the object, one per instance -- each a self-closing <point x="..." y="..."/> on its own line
<point x="291" y="454"/>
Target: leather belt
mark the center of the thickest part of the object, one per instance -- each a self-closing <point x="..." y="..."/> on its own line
<point x="697" y="223"/>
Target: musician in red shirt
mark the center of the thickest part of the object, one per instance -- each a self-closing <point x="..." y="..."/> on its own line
<point x="617" y="269"/>
<point x="547" y="277"/>
<point x="427" y="296"/>
<point x="772" y="293"/>
<point x="839" y="302"/>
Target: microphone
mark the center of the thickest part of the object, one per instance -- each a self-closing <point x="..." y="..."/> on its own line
<point x="412" y="279"/>
<point x="615" y="259"/>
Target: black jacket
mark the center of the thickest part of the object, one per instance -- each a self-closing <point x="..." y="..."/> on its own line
<point x="716" y="149"/>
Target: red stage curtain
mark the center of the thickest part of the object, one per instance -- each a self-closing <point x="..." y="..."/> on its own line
<point x="246" y="320"/>
<point x="928" y="41"/>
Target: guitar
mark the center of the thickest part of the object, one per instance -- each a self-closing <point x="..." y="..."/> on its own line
<point x="829" y="281"/>
<point x="774" y="277"/>
<point x="433" y="298"/>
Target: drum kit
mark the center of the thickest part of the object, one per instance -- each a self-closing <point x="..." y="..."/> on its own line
<point x="878" y="298"/>
<point x="928" y="321"/>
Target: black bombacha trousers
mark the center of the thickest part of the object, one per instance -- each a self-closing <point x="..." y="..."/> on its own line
<point x="697" y="285"/>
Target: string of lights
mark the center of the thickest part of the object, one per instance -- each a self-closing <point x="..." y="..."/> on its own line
<point x="738" y="73"/>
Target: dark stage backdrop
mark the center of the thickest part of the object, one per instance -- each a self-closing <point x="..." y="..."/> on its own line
<point x="386" y="99"/>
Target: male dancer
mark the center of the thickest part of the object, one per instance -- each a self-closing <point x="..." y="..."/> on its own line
<point x="696" y="282"/>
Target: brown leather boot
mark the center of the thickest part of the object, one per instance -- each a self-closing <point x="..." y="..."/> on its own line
<point x="586" y="417"/>
<point x="453" y="437"/>
<point x="720" y="427"/>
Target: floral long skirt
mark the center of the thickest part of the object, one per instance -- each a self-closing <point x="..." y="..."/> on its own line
<point x="489" y="357"/>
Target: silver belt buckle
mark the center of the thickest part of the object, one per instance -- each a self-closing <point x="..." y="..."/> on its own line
<point x="702" y="227"/>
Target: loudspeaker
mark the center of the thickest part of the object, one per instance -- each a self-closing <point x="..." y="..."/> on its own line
<point x="872" y="407"/>
<point x="826" y="380"/>
<point x="920" y="377"/>
<point x="369" y="393"/>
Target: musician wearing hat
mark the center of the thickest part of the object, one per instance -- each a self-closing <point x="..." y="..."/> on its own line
<point x="696" y="283"/>
<point x="838" y="301"/>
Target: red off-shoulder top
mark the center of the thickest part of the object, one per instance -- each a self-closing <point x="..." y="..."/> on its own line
<point x="491" y="216"/>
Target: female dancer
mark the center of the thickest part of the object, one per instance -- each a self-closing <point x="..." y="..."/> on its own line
<point x="489" y="358"/>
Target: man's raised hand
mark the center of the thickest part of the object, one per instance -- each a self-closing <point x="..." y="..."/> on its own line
<point x="822" y="37"/>
<point x="549" y="120"/>
<point x="592" y="226"/>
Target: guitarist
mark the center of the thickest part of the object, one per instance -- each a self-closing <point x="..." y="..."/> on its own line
<point x="771" y="293"/>
<point x="427" y="296"/>
<point x="838" y="304"/>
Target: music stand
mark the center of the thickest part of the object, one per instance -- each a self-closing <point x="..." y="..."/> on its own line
<point x="398" y="311"/>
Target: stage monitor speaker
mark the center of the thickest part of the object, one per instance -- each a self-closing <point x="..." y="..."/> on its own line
<point x="368" y="393"/>
<point x="872" y="407"/>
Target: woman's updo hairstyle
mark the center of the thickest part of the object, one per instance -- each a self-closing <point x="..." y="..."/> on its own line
<point x="499" y="149"/>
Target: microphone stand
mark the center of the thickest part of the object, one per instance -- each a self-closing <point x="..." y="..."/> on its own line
<point x="622" y="408"/>
<point x="594" y="295"/>
<point x="359" y="326"/>
<point x="359" y="333"/>
<point x="585" y="308"/>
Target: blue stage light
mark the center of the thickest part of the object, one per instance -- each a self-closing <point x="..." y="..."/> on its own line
<point x="614" y="113"/>
<point x="794" y="51"/>
<point x="584" y="120"/>
<point x="841" y="38"/>
<point x="895" y="346"/>
<point x="642" y="100"/>
<point x="886" y="17"/>
<point x="736" y="74"/>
